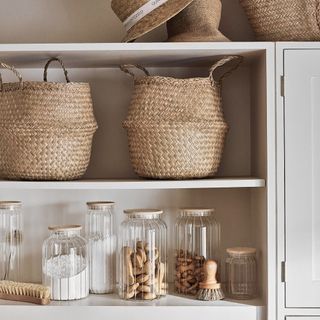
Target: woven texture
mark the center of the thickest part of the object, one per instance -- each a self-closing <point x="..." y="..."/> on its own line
<point x="198" y="22"/>
<point x="284" y="20"/>
<point x="46" y="130"/>
<point x="124" y="8"/>
<point x="176" y="150"/>
<point x="176" y="127"/>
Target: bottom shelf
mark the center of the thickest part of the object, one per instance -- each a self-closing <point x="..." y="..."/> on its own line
<point x="100" y="306"/>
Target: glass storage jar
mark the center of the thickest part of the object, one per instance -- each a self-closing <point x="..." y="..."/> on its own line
<point x="101" y="239"/>
<point x="65" y="263"/>
<point x="197" y="239"/>
<point x="10" y="240"/>
<point x="241" y="273"/>
<point x="142" y="259"/>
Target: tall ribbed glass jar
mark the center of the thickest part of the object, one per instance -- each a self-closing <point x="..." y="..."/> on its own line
<point x="65" y="267"/>
<point x="142" y="255"/>
<point x="10" y="240"/>
<point x="241" y="273"/>
<point x="101" y="238"/>
<point x="197" y="239"/>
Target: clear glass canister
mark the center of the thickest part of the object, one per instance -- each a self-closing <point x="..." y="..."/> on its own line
<point x="197" y="239"/>
<point x="142" y="260"/>
<point x="10" y="240"/>
<point x="65" y="266"/>
<point x="241" y="273"/>
<point x="100" y="235"/>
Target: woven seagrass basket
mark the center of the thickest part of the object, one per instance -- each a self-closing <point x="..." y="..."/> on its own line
<point x="176" y="127"/>
<point x="46" y="128"/>
<point x="284" y="20"/>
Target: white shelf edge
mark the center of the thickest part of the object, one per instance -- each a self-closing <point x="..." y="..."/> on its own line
<point x="99" y="306"/>
<point x="139" y="46"/>
<point x="113" y="301"/>
<point x="219" y="183"/>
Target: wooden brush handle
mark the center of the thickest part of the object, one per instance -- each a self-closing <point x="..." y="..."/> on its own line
<point x="210" y="269"/>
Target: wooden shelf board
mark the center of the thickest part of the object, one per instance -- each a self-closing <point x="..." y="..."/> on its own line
<point x="137" y="184"/>
<point x="111" y="306"/>
<point x="101" y="55"/>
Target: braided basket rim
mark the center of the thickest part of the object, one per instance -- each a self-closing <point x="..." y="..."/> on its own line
<point x="45" y="86"/>
<point x="180" y="81"/>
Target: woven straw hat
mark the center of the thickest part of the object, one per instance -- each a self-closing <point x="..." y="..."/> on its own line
<point x="125" y="10"/>
<point x="199" y="22"/>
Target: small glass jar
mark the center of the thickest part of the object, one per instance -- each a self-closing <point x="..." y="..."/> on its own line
<point x="241" y="273"/>
<point x="10" y="240"/>
<point x="65" y="263"/>
<point x="197" y="239"/>
<point x="100" y="235"/>
<point x="142" y="260"/>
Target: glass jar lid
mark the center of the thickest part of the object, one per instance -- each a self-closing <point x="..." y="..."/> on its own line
<point x="143" y="213"/>
<point x="241" y="251"/>
<point x="196" y="212"/>
<point x="100" y="205"/>
<point x="66" y="228"/>
<point x="10" y="205"/>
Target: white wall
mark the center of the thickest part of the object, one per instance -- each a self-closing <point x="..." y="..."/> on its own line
<point x="28" y="21"/>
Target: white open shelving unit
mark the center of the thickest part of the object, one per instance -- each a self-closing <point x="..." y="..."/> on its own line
<point x="242" y="193"/>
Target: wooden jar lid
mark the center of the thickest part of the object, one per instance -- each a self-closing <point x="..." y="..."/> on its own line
<point x="143" y="213"/>
<point x="71" y="227"/>
<point x="10" y="205"/>
<point x="100" y="205"/>
<point x="241" y="251"/>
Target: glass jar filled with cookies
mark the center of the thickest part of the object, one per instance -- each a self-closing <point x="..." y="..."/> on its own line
<point x="197" y="239"/>
<point x="142" y="255"/>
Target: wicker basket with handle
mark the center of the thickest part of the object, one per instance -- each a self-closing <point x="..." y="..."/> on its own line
<point x="46" y="128"/>
<point x="284" y="20"/>
<point x="176" y="127"/>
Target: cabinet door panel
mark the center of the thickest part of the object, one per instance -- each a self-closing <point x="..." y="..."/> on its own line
<point x="302" y="318"/>
<point x="302" y="177"/>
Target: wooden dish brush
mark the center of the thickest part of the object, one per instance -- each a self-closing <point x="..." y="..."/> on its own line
<point x="210" y="289"/>
<point x="24" y="292"/>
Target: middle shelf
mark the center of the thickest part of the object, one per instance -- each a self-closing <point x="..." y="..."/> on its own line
<point x="135" y="184"/>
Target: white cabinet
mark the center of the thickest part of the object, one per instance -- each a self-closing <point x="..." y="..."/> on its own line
<point x="298" y="180"/>
<point x="302" y="318"/>
<point x="302" y="177"/>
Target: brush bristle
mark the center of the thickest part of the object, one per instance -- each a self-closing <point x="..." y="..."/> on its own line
<point x="24" y="289"/>
<point x="210" y="294"/>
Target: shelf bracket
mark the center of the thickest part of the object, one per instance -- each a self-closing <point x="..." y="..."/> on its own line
<point x="283" y="271"/>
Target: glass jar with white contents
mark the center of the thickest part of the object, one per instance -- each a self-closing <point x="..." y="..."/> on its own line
<point x="65" y="266"/>
<point x="101" y="238"/>
<point x="142" y="255"/>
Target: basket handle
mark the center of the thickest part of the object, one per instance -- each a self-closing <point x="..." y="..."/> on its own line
<point x="126" y="69"/>
<point x="16" y="73"/>
<point x="45" y="73"/>
<point x="238" y="60"/>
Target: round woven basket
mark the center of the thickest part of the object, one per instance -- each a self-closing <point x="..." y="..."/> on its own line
<point x="46" y="128"/>
<point x="176" y="150"/>
<point x="284" y="20"/>
<point x="176" y="127"/>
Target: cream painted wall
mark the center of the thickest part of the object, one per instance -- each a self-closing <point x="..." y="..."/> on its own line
<point x="28" y="21"/>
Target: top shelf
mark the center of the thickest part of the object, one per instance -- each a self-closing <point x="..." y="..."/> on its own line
<point x="102" y="55"/>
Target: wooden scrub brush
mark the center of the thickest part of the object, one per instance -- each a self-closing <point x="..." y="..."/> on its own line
<point x="24" y="292"/>
<point x="210" y="289"/>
